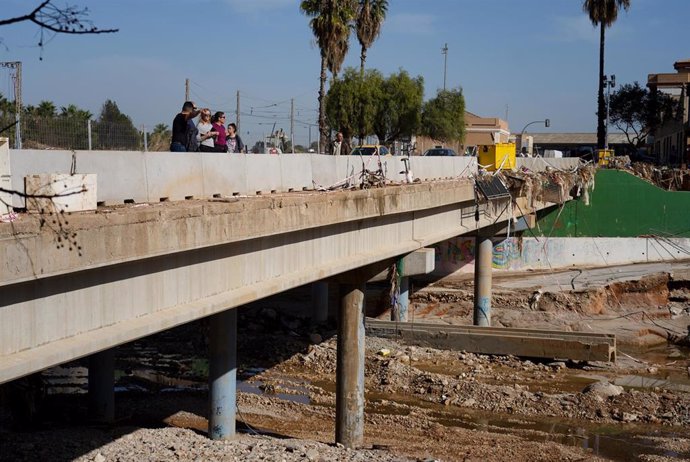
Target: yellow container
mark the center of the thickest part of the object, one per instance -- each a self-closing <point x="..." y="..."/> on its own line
<point x="493" y="157"/>
<point x="604" y="157"/>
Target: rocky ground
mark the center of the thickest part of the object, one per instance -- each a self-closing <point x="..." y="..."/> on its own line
<point x="422" y="403"/>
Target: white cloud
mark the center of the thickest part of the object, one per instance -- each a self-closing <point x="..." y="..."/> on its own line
<point x="410" y="23"/>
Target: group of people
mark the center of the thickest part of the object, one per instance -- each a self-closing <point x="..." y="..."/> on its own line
<point x="209" y="134"/>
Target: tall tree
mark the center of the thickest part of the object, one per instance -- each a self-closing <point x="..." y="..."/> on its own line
<point x="637" y="112"/>
<point x="370" y="16"/>
<point x="603" y="13"/>
<point x="330" y="24"/>
<point x="115" y="130"/>
<point x="399" y="113"/>
<point x="343" y="108"/>
<point x="443" y="117"/>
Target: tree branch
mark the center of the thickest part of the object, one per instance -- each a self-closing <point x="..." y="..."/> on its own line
<point x="65" y="20"/>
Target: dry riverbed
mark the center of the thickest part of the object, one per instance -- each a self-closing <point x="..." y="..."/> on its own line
<point x="422" y="404"/>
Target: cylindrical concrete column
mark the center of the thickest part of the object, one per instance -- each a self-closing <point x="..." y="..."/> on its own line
<point x="102" y="386"/>
<point x="222" y="375"/>
<point x="349" y="395"/>
<point x="400" y="312"/>
<point x="483" y="253"/>
<point x="319" y="302"/>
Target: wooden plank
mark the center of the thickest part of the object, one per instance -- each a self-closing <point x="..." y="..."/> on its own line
<point x="502" y="341"/>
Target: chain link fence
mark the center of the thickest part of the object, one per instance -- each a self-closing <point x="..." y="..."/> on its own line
<point x="66" y="133"/>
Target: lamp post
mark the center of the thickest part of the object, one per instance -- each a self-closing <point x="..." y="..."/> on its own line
<point x="546" y="122"/>
<point x="444" y="52"/>
<point x="609" y="83"/>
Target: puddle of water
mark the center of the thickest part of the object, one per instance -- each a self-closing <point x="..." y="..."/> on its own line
<point x="297" y="393"/>
<point x="606" y="441"/>
<point x="610" y="441"/>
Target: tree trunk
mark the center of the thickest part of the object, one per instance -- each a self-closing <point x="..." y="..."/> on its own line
<point x="362" y="59"/>
<point x="323" y="129"/>
<point x="601" y="102"/>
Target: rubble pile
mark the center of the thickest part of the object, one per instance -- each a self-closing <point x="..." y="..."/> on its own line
<point x="670" y="179"/>
<point x="551" y="185"/>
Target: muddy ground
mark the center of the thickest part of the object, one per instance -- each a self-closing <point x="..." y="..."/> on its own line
<point x="421" y="404"/>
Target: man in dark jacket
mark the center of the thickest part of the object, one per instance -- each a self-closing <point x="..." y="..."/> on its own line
<point x="184" y="130"/>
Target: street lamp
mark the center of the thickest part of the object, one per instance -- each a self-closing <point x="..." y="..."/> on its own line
<point x="609" y="83"/>
<point x="546" y="122"/>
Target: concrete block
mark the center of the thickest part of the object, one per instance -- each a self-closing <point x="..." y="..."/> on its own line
<point x="70" y="193"/>
<point x="225" y="174"/>
<point x="174" y="176"/>
<point x="421" y="261"/>
<point x="26" y="162"/>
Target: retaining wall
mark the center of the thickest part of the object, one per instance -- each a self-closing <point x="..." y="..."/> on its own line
<point x="526" y="253"/>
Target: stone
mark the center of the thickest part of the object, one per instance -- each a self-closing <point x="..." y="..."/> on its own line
<point x="99" y="458"/>
<point x="557" y="365"/>
<point x="603" y="389"/>
<point x="312" y="454"/>
<point x="384" y="352"/>
<point x="315" y="338"/>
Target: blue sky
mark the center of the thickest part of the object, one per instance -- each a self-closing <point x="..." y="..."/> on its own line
<point x="530" y="58"/>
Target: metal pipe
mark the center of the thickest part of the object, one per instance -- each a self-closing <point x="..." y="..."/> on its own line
<point x="319" y="302"/>
<point x="102" y="386"/>
<point x="222" y="375"/>
<point x="349" y="394"/>
<point x="482" y="280"/>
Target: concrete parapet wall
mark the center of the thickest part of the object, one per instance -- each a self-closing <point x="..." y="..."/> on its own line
<point x="521" y="254"/>
<point x="125" y="176"/>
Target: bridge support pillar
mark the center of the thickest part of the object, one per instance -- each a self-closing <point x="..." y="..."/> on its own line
<point x="222" y="375"/>
<point x="349" y="398"/>
<point x="102" y="386"/>
<point x="400" y="311"/>
<point x="482" y="280"/>
<point x="319" y="302"/>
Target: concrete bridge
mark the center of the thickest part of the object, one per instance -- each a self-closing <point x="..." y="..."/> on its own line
<point x="79" y="284"/>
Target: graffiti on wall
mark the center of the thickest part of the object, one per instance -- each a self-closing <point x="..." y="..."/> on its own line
<point x="507" y="253"/>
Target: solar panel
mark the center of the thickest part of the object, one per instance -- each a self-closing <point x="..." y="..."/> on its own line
<point x="492" y="188"/>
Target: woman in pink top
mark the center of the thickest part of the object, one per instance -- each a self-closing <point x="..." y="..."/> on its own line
<point x="218" y="123"/>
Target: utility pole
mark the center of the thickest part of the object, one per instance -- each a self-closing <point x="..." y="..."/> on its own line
<point x="17" y="66"/>
<point x="444" y="52"/>
<point x="186" y="89"/>
<point x="292" y="124"/>
<point x="237" y="112"/>
<point x="609" y="83"/>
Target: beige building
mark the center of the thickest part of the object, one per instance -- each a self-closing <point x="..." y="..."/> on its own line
<point x="670" y="140"/>
<point x="478" y="130"/>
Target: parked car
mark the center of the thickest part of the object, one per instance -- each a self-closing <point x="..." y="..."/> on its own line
<point x="440" y="152"/>
<point x="370" y="150"/>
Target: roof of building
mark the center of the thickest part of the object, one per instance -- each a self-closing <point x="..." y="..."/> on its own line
<point x="575" y="138"/>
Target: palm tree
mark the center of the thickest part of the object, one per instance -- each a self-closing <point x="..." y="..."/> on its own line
<point x="603" y="13"/>
<point x="330" y="24"/>
<point x="370" y="16"/>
